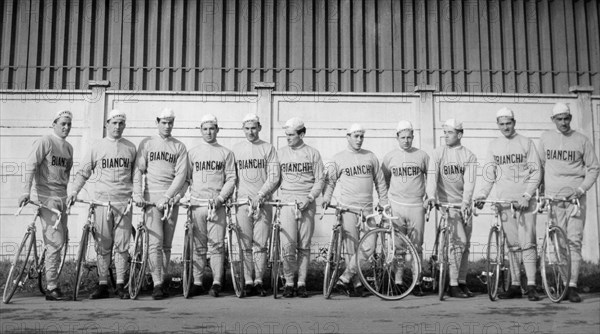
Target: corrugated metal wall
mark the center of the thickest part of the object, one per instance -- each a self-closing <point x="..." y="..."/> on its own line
<point x="534" y="46"/>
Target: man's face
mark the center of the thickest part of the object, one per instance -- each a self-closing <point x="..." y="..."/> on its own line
<point x="165" y="126"/>
<point x="452" y="136"/>
<point x="405" y="139"/>
<point x="563" y="122"/>
<point x="251" y="130"/>
<point x="293" y="138"/>
<point x="355" y="140"/>
<point x="506" y="126"/>
<point x="209" y="132"/>
<point x="62" y="127"/>
<point x="115" y="128"/>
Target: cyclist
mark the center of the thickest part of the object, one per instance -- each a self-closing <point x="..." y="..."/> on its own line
<point x="112" y="159"/>
<point x="302" y="181"/>
<point x="212" y="176"/>
<point x="405" y="171"/>
<point x="513" y="165"/>
<point x="453" y="181"/>
<point x="163" y="159"/>
<point x="354" y="171"/>
<point x="570" y="170"/>
<point x="49" y="163"/>
<point x="258" y="175"/>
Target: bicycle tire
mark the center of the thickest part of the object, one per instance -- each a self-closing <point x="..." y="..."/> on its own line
<point x="275" y="261"/>
<point x="556" y="264"/>
<point x="81" y="254"/>
<point x="443" y="263"/>
<point x="494" y="261"/>
<point x="236" y="263"/>
<point x="188" y="262"/>
<point x="139" y="261"/>
<point x="504" y="279"/>
<point x="41" y="267"/>
<point x="332" y="266"/>
<point x="17" y="269"/>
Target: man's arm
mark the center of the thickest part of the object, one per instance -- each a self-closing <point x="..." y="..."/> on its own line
<point x="39" y="150"/>
<point x="319" y="174"/>
<point x="470" y="178"/>
<point x="592" y="168"/>
<point x="273" y="174"/>
<point x="141" y="165"/>
<point x="230" y="177"/>
<point x="490" y="172"/>
<point x="535" y="170"/>
<point x="181" y="172"/>
<point x="380" y="185"/>
<point x="84" y="173"/>
<point x="385" y="169"/>
<point x="332" y="171"/>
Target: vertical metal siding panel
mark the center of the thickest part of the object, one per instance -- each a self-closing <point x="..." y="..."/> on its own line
<point x="496" y="47"/>
<point x="268" y="35"/>
<point x="547" y="57"/>
<point x="281" y="56"/>
<point x="165" y="61"/>
<point x="126" y="45"/>
<point x="458" y="45"/>
<point x="421" y="45"/>
<point x="209" y="8"/>
<point x="409" y="14"/>
<point x="533" y="50"/>
<point x="256" y="42"/>
<point x="371" y="32"/>
<point x="86" y="46"/>
<point x="345" y="46"/>
<point x="74" y="20"/>
<point x="190" y="44"/>
<point x="216" y="40"/>
<point x="472" y="46"/>
<point x="385" y="52"/>
<point x="321" y="19"/>
<point x="583" y="62"/>
<point x="8" y="41"/>
<point x="22" y="45"/>
<point x="152" y="45"/>
<point x="559" y="43"/>
<point x="32" y="59"/>
<point x="140" y="75"/>
<point x="307" y="46"/>
<point x="433" y="43"/>
<point x="593" y="26"/>
<point x="446" y="47"/>
<point x="243" y="62"/>
<point x="295" y="45"/>
<point x="59" y="50"/>
<point x="484" y="39"/>
<point x="397" y="40"/>
<point x="102" y="40"/>
<point x="178" y="43"/>
<point x="230" y="44"/>
<point x="520" y="34"/>
<point x="47" y="45"/>
<point x="333" y="47"/>
<point x="358" y="46"/>
<point x="572" y="46"/>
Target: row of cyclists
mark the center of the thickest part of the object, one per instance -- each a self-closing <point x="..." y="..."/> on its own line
<point x="160" y="171"/>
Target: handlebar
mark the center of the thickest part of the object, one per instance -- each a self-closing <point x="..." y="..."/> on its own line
<point x="543" y="201"/>
<point x="207" y="203"/>
<point x="339" y="209"/>
<point x="494" y="205"/>
<point x="279" y="204"/>
<point x="42" y="206"/>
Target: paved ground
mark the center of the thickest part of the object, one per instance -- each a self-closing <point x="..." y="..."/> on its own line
<point x="204" y="314"/>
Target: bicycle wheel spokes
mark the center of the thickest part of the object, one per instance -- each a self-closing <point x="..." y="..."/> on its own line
<point x="275" y="261"/>
<point x="188" y="261"/>
<point x="236" y="264"/>
<point x="139" y="260"/>
<point x="493" y="263"/>
<point x="81" y="254"/>
<point x="443" y="263"/>
<point x="556" y="264"/>
<point x="332" y="266"/>
<point x="41" y="272"/>
<point x="17" y="276"/>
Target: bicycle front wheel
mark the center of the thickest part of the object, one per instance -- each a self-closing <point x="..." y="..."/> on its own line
<point x="388" y="268"/>
<point x="235" y="254"/>
<point x="443" y="262"/>
<point x="188" y="262"/>
<point x="41" y="267"/>
<point x="139" y="261"/>
<point x="81" y="254"/>
<point x="333" y="262"/>
<point x="275" y="262"/>
<point x="556" y="264"/>
<point x="494" y="261"/>
<point x="16" y="275"/>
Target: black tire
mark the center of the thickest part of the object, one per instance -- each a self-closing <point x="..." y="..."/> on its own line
<point x="81" y="254"/>
<point x="188" y="262"/>
<point x="14" y="279"/>
<point x="494" y="262"/>
<point x="443" y="262"/>
<point x="334" y="259"/>
<point x="556" y="264"/>
<point x="235" y="254"/>
<point x="275" y="261"/>
<point x="139" y="261"/>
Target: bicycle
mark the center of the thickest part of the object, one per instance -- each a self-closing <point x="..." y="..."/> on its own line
<point x="22" y="269"/>
<point x="392" y="254"/>
<point x="275" y="259"/>
<point x="497" y="264"/>
<point x="90" y="229"/>
<point x="139" y="258"/>
<point x="555" y="260"/>
<point x="188" y="243"/>
<point x="234" y="247"/>
<point x="334" y="259"/>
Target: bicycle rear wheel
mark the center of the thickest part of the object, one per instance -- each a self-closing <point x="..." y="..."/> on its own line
<point x="81" y="254"/>
<point x="443" y="262"/>
<point x="494" y="261"/>
<point x="332" y="266"/>
<point x="188" y="261"/>
<point x="17" y="270"/>
<point x="236" y="264"/>
<point x="139" y="261"/>
<point x="392" y="270"/>
<point x="275" y="262"/>
<point x="556" y="264"/>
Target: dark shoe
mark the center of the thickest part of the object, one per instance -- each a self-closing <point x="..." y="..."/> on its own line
<point x="165" y="287"/>
<point x="100" y="292"/>
<point x="121" y="292"/>
<point x="249" y="290"/>
<point x="196" y="290"/>
<point x="288" y="291"/>
<point x="342" y="288"/>
<point x="158" y="293"/>
<point x="513" y="292"/>
<point x="302" y="293"/>
<point x="465" y="290"/>
<point x="55" y="295"/>
<point x="456" y="292"/>
<point x="573" y="295"/>
<point x="260" y="290"/>
<point x="417" y="291"/>
<point x="215" y="289"/>
<point x="359" y="291"/>
<point x="532" y="294"/>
